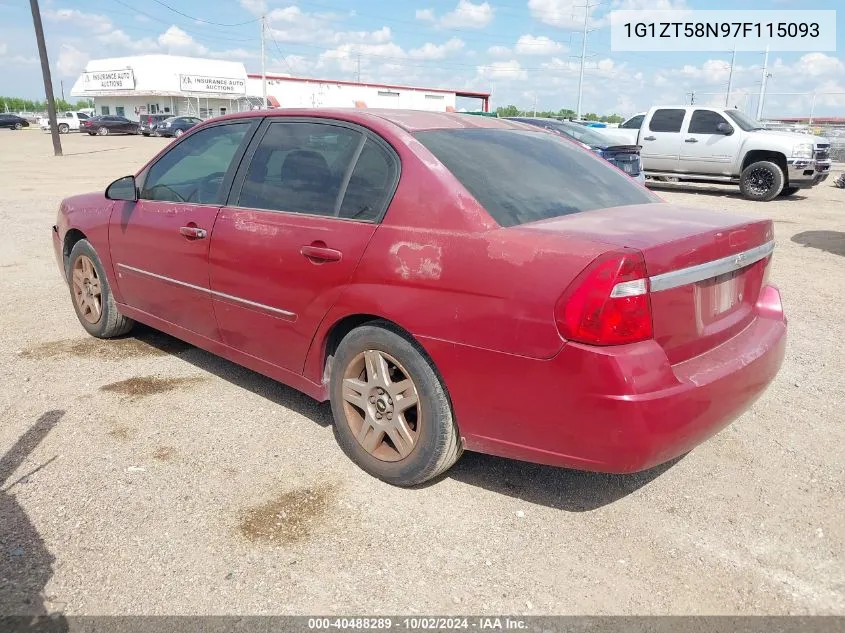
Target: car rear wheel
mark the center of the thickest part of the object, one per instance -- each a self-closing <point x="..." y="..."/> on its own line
<point x="103" y="131"/>
<point x="91" y="294"/>
<point x="761" y="181"/>
<point x="64" y="128"/>
<point x="178" y="133"/>
<point x="788" y="191"/>
<point x="392" y="415"/>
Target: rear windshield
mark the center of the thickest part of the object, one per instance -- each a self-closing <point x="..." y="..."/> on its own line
<point x="521" y="176"/>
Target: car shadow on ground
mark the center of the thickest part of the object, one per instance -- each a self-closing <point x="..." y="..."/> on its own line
<point x="26" y="565"/>
<point x="721" y="191"/>
<point x="828" y="241"/>
<point x="569" y="490"/>
<point x="267" y="388"/>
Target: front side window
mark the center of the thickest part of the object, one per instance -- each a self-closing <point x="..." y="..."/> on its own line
<point x="667" y="120"/>
<point x="299" y="167"/>
<point x="705" y="122"/>
<point x="634" y="123"/>
<point x="194" y="170"/>
<point x="520" y="176"/>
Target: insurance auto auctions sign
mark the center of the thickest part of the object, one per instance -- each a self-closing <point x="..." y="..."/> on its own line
<point x="221" y="85"/>
<point x="109" y="80"/>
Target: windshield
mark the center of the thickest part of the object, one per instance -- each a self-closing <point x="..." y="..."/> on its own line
<point x="520" y="176"/>
<point x="744" y="121"/>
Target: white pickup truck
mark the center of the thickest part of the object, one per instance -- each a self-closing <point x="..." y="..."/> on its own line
<point x="724" y="145"/>
<point x="67" y="121"/>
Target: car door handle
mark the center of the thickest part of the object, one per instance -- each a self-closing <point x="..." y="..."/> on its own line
<point x="649" y="138"/>
<point x="319" y="253"/>
<point x="193" y="232"/>
<point x="691" y="140"/>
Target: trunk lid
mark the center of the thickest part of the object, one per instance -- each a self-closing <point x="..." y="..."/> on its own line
<point x="723" y="257"/>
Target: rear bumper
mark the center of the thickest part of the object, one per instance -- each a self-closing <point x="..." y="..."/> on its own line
<point x="615" y="409"/>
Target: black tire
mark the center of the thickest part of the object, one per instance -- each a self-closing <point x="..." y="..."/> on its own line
<point x="18" y="126"/>
<point x="788" y="191"/>
<point x="111" y="322"/>
<point x="64" y="128"/>
<point x="178" y="133"/>
<point x="103" y="131"/>
<point x="145" y="133"/>
<point x="438" y="445"/>
<point x="92" y="133"/>
<point x="761" y="181"/>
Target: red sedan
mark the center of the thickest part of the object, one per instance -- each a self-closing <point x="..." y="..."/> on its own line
<point x="449" y="282"/>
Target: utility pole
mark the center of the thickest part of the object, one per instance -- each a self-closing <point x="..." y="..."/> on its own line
<point x="583" y="56"/>
<point x="48" y="80"/>
<point x="812" y="110"/>
<point x="358" y="74"/>
<point x="535" y="104"/>
<point x="763" y="80"/>
<point x="730" y="78"/>
<point x="691" y="97"/>
<point x="263" y="64"/>
<point x="62" y="84"/>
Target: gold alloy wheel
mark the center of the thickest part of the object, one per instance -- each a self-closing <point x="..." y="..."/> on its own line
<point x="381" y="405"/>
<point x="87" y="290"/>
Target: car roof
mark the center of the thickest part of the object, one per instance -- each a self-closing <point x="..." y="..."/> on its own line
<point x="409" y="120"/>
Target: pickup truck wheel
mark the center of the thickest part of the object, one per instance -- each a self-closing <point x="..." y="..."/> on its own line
<point x="91" y="294"/>
<point x="788" y="191"/>
<point x="64" y="128"/>
<point x="391" y="412"/>
<point x="761" y="181"/>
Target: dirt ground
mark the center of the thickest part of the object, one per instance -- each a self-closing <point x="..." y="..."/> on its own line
<point x="144" y="476"/>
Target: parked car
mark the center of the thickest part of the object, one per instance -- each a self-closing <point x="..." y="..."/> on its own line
<point x="725" y="145"/>
<point x="148" y="122"/>
<point x="619" y="154"/>
<point x="511" y="293"/>
<point x="176" y="126"/>
<point x="13" y="121"/>
<point x="67" y="121"/>
<point x="104" y="125"/>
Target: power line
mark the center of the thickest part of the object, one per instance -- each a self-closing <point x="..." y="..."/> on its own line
<point x="190" y="17"/>
<point x="279" y="49"/>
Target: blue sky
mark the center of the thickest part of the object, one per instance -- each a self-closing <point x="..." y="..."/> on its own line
<point x="522" y="50"/>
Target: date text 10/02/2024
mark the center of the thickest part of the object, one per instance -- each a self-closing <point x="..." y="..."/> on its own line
<point x="419" y="623"/>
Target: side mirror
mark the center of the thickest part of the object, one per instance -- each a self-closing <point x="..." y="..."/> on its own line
<point x="123" y="189"/>
<point x="725" y="129"/>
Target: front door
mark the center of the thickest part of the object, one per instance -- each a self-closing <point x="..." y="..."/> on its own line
<point x="303" y="209"/>
<point x="159" y="245"/>
<point x="706" y="149"/>
<point x="661" y="140"/>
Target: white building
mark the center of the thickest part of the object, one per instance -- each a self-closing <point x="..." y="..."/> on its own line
<point x="167" y="84"/>
<point x="163" y="84"/>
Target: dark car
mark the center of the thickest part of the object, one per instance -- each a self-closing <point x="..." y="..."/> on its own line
<point x="149" y="122"/>
<point x="104" y="125"/>
<point x="176" y="126"/>
<point x="511" y="293"/>
<point x="13" y="121"/>
<point x="622" y="155"/>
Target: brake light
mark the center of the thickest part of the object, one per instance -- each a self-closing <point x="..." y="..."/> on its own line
<point x="608" y="303"/>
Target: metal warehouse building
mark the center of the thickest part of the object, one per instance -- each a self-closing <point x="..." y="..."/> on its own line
<point x="167" y="84"/>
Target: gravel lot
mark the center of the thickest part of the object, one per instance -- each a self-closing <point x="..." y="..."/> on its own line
<point x="198" y="487"/>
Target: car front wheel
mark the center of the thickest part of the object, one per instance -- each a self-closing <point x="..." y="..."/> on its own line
<point x="91" y="294"/>
<point x="392" y="415"/>
<point x="103" y="131"/>
<point x="178" y="133"/>
<point x="761" y="181"/>
<point x="18" y="126"/>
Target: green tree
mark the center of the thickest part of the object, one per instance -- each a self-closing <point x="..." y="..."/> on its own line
<point x="566" y="113"/>
<point x="591" y="116"/>
<point x="510" y="110"/>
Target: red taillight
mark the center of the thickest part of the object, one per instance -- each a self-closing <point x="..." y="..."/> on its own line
<point x="608" y="304"/>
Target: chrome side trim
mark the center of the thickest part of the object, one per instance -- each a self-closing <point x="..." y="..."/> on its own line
<point x="717" y="267"/>
<point x="213" y="293"/>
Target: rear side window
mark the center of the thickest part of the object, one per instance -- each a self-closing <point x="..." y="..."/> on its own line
<point x="634" y="123"/>
<point x="371" y="184"/>
<point x="705" y="122"/>
<point x="520" y="176"/>
<point x="667" y="120"/>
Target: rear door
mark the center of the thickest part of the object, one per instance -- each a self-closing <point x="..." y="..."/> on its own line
<point x="303" y="209"/>
<point x="159" y="245"/>
<point x="706" y="150"/>
<point x="661" y="139"/>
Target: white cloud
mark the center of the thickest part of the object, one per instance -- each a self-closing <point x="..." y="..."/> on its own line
<point x="542" y="45"/>
<point x="466" y="15"/>
<point x="3" y="48"/>
<point x="93" y="21"/>
<point x="499" y="51"/>
<point x="71" y="60"/>
<point x="503" y="70"/>
<point x="565" y="14"/>
<point x="254" y="6"/>
<point x="435" y="51"/>
<point x="819" y="64"/>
